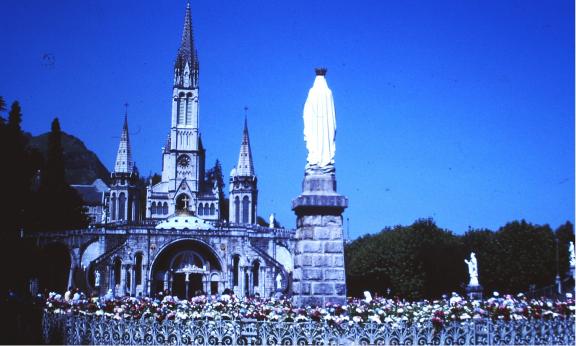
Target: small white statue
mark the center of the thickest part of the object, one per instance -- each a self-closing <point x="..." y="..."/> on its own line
<point x="271" y="221"/>
<point x="367" y="296"/>
<point x="473" y="270"/>
<point x="97" y="278"/>
<point x="572" y="255"/>
<point x="278" y="281"/>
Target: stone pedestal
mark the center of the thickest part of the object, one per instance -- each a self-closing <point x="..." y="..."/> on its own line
<point x="319" y="275"/>
<point x="474" y="292"/>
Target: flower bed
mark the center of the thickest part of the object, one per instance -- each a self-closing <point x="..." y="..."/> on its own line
<point x="379" y="310"/>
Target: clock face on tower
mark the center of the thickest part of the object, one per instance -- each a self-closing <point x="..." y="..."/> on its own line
<point x="183" y="161"/>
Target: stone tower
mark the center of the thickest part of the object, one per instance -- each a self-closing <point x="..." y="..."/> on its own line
<point x="181" y="160"/>
<point x="243" y="185"/>
<point x="183" y="184"/>
<point x="319" y="275"/>
<point x="124" y="195"/>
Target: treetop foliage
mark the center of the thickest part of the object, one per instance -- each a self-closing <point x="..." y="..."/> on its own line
<point x="425" y="261"/>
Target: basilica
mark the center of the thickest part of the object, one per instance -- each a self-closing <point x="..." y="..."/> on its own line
<point x="178" y="234"/>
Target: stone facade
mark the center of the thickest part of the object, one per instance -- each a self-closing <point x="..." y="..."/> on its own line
<point x="146" y="259"/>
<point x="178" y="240"/>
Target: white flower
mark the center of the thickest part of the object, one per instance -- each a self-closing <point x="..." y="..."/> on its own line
<point x="374" y="318"/>
<point x="464" y="316"/>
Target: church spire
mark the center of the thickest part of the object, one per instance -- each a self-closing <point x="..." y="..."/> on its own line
<point x="245" y="165"/>
<point x="186" y="65"/>
<point x="124" y="163"/>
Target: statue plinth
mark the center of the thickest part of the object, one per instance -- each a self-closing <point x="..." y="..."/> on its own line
<point x="319" y="275"/>
<point x="319" y="196"/>
<point x="474" y="292"/>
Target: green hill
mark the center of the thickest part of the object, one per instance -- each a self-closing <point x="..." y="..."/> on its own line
<point x="82" y="165"/>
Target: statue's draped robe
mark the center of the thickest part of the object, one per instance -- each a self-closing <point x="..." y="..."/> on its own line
<point x="320" y="128"/>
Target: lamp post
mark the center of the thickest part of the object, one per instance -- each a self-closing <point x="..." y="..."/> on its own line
<point x="558" y="282"/>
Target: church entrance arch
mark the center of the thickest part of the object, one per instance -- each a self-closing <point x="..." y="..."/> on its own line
<point x="185" y="269"/>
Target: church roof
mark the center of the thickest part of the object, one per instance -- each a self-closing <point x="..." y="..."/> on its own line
<point x="184" y="221"/>
<point x="245" y="167"/>
<point x="124" y="162"/>
<point x="89" y="194"/>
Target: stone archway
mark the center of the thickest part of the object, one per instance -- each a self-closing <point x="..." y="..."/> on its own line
<point x="185" y="268"/>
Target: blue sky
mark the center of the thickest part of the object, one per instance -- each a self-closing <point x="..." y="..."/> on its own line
<point x="462" y="111"/>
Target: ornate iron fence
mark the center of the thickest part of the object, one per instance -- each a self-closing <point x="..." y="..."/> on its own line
<point x="74" y="330"/>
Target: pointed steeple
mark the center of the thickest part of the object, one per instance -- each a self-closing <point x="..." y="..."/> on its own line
<point x="245" y="167"/>
<point x="186" y="65"/>
<point x="124" y="163"/>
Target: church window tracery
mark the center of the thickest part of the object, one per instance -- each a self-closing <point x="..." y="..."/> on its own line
<point x="153" y="208"/>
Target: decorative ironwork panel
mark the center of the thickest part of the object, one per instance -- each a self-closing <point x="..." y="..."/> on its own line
<point x="98" y="330"/>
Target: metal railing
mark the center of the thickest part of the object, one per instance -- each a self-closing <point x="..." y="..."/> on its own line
<point x="97" y="330"/>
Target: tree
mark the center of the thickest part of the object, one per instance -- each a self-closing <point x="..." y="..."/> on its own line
<point x="2" y="109"/>
<point x="60" y="205"/>
<point x="526" y="254"/>
<point x="564" y="235"/>
<point x="16" y="177"/>
<point x="418" y="261"/>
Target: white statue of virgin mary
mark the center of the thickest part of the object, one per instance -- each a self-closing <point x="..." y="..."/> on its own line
<point x="320" y="127"/>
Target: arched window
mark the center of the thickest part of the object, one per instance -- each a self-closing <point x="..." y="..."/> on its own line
<point x="245" y="209"/>
<point x="153" y="208"/>
<point x="129" y="214"/>
<point x="117" y="271"/>
<point x="113" y="211"/>
<point x="165" y="208"/>
<point x="121" y="206"/>
<point x="255" y="272"/>
<point x="235" y="269"/>
<point x="237" y="209"/>
<point x="138" y="268"/>
<point x="212" y="209"/>
<point x="201" y="209"/>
